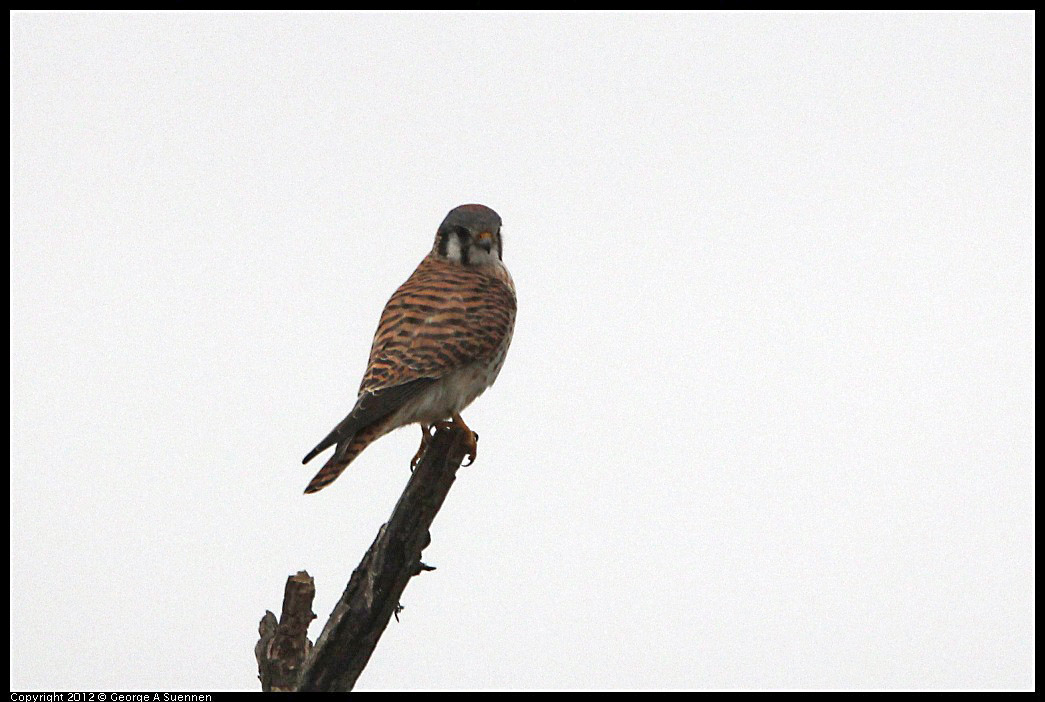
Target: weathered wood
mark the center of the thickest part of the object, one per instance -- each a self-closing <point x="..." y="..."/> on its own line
<point x="373" y="593"/>
<point x="284" y="645"/>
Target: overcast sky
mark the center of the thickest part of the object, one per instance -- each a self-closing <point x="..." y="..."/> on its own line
<point x="768" y="415"/>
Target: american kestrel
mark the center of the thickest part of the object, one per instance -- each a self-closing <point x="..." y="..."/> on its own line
<point x="440" y="343"/>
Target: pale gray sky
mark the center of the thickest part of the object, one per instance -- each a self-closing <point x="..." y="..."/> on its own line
<point x="767" y="419"/>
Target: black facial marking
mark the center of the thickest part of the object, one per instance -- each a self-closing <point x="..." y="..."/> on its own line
<point x="466" y="239"/>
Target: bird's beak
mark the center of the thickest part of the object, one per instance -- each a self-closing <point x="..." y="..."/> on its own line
<point x="485" y="240"/>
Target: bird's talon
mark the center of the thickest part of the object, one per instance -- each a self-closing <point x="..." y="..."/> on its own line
<point x="426" y="439"/>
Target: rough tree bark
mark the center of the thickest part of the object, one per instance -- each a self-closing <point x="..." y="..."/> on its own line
<point x="283" y="645"/>
<point x="373" y="593"/>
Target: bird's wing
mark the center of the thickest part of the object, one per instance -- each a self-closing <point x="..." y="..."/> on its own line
<point x="370" y="407"/>
<point x="442" y="318"/>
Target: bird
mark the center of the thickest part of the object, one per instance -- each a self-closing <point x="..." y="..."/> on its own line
<point x="441" y="341"/>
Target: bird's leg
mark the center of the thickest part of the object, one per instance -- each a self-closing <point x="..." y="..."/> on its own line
<point x="473" y="438"/>
<point x="426" y="438"/>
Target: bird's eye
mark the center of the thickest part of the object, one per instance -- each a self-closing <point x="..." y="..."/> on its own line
<point x="462" y="231"/>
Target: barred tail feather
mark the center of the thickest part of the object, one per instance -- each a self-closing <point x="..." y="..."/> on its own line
<point x="345" y="453"/>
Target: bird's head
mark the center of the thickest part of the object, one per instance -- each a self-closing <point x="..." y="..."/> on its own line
<point x="470" y="235"/>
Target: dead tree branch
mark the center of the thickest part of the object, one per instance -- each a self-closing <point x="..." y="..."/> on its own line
<point x="373" y="593"/>
<point x="283" y="646"/>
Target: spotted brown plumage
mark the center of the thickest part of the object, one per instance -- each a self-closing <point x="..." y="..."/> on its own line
<point x="441" y="341"/>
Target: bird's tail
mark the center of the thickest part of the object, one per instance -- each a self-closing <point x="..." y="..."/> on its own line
<point x="345" y="453"/>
